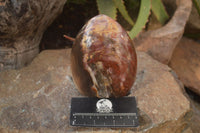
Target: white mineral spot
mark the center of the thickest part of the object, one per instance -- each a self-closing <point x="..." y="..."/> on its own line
<point x="155" y="111"/>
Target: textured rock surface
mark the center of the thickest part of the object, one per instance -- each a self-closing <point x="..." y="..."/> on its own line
<point x="186" y="63"/>
<point x="195" y="121"/>
<point x="37" y="98"/>
<point x="160" y="43"/>
<point x="22" y="24"/>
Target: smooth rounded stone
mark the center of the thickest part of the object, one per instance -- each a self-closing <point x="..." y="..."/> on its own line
<point x="103" y="59"/>
<point x="22" y="23"/>
<point x="37" y="97"/>
<point x="186" y="63"/>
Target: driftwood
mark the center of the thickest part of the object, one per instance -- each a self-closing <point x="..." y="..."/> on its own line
<point x="22" y="24"/>
<point x="160" y="43"/>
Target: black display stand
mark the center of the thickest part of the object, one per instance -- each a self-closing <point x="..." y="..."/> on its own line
<point x="111" y="112"/>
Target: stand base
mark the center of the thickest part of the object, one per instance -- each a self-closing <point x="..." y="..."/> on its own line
<point x="112" y="112"/>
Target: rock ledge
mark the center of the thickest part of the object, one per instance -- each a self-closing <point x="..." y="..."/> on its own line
<point x="37" y="98"/>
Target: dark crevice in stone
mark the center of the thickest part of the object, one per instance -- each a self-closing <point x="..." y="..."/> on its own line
<point x="69" y="22"/>
<point x="193" y="95"/>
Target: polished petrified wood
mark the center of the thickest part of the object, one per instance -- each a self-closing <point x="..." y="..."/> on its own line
<point x="103" y="59"/>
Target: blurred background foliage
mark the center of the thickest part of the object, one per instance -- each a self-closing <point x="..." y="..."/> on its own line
<point x="134" y="15"/>
<point x="110" y="8"/>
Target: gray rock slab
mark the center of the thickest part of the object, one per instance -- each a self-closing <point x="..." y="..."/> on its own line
<point x="37" y="98"/>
